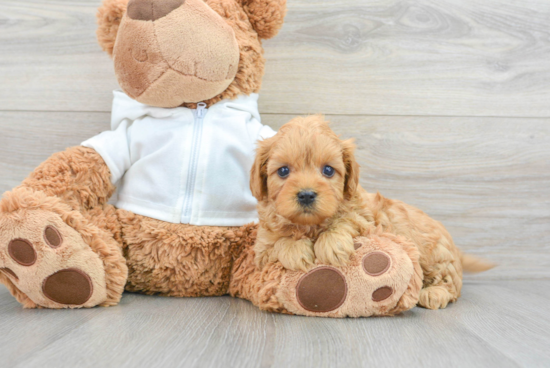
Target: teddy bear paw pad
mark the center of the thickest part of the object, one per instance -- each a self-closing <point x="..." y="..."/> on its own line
<point x="376" y="263"/>
<point x="70" y="286"/>
<point x="382" y="293"/>
<point x="49" y="261"/>
<point x="22" y="252"/>
<point x="322" y="290"/>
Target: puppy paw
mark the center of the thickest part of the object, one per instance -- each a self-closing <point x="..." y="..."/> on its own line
<point x="334" y="248"/>
<point x="434" y="297"/>
<point x="262" y="257"/>
<point x="294" y="254"/>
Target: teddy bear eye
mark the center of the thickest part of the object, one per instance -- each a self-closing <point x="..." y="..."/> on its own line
<point x="328" y="171"/>
<point x="283" y="172"/>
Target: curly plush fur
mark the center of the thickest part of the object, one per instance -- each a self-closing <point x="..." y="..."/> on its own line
<point x="266" y="16"/>
<point x="109" y="16"/>
<point x="297" y="235"/>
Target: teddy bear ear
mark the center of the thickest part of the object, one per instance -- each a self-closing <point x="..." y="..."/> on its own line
<point x="109" y="16"/>
<point x="266" y="16"/>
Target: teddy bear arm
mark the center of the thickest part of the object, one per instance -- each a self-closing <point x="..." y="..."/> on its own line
<point x="78" y="176"/>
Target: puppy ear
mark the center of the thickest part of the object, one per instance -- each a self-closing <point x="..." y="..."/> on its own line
<point x="352" y="169"/>
<point x="258" y="173"/>
<point x="109" y="16"/>
<point x="266" y="16"/>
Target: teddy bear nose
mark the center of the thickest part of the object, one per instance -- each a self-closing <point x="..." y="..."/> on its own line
<point x="151" y="9"/>
<point x="306" y="197"/>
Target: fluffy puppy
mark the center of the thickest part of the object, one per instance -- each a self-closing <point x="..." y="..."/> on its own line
<point x="311" y="206"/>
<point x="306" y="181"/>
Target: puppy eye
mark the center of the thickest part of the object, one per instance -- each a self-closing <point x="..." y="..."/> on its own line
<point x="283" y="172"/>
<point x="328" y="171"/>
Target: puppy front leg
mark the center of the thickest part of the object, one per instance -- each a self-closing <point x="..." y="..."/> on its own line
<point x="294" y="254"/>
<point x="334" y="248"/>
<point x="335" y="245"/>
<point x="263" y="248"/>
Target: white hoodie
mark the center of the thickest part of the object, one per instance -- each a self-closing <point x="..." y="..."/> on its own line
<point x="182" y="165"/>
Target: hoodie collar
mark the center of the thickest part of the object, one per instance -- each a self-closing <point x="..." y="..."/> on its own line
<point x="125" y="107"/>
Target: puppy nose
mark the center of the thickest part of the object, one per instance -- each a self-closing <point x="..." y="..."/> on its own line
<point x="151" y="9"/>
<point x="306" y="197"/>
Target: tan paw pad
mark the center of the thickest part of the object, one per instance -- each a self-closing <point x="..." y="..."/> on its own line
<point x="382" y="293"/>
<point x="22" y="252"/>
<point x="323" y="289"/>
<point x="376" y="263"/>
<point x="70" y="286"/>
<point x="52" y="237"/>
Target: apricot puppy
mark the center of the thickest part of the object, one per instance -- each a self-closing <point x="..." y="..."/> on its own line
<point x="311" y="206"/>
<point x="306" y="181"/>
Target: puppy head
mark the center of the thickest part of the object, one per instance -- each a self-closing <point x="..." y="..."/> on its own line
<point x="305" y="171"/>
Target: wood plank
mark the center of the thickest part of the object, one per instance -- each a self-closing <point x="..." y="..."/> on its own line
<point x="425" y="57"/>
<point x="486" y="179"/>
<point x="528" y="344"/>
<point x="29" y="138"/>
<point x="50" y="59"/>
<point x="24" y="331"/>
<point x="384" y="57"/>
<point x="494" y="323"/>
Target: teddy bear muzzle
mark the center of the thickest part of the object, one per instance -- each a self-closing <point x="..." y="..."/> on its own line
<point x="171" y="52"/>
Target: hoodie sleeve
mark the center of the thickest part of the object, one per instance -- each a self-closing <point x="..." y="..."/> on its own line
<point x="257" y="131"/>
<point x="266" y="132"/>
<point x="113" y="147"/>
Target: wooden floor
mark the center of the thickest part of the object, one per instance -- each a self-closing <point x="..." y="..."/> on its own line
<point x="449" y="102"/>
<point x="494" y="324"/>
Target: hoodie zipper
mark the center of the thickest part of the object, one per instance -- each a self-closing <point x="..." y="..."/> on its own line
<point x="199" y="114"/>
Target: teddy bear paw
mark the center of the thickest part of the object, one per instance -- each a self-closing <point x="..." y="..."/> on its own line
<point x="49" y="262"/>
<point x="383" y="277"/>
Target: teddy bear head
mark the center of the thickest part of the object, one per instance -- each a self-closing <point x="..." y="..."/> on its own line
<point x="170" y="53"/>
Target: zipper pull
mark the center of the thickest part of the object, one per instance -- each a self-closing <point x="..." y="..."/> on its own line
<point x="201" y="106"/>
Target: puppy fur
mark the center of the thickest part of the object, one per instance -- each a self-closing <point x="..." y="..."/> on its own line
<point x="299" y="235"/>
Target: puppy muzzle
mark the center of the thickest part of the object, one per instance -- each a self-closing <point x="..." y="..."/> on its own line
<point x="306" y="198"/>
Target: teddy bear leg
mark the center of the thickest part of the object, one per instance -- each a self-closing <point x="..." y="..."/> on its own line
<point x="53" y="256"/>
<point x="179" y="260"/>
<point x="383" y="277"/>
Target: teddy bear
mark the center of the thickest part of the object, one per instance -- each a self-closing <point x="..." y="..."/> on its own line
<point x="179" y="153"/>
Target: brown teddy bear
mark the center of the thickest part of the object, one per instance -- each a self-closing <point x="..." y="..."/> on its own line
<point x="181" y="146"/>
